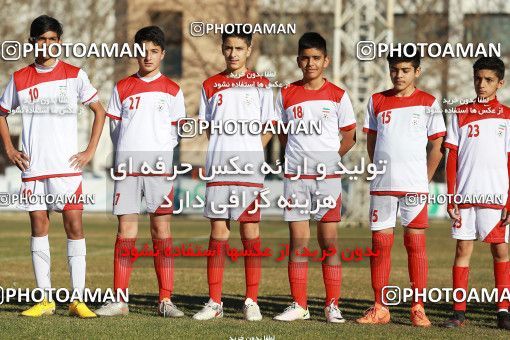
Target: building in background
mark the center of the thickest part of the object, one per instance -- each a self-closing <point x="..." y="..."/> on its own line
<point x="190" y="60"/>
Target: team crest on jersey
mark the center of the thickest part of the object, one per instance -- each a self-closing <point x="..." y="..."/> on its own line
<point x="325" y="112"/>
<point x="415" y="120"/>
<point x="248" y="99"/>
<point x="501" y="130"/>
<point x="62" y="94"/>
<point x="160" y="105"/>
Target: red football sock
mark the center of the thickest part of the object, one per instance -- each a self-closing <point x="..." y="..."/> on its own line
<point x="380" y="265"/>
<point x="215" y="266"/>
<point x="122" y="265"/>
<point x="298" y="272"/>
<point x="164" y="266"/>
<point x="417" y="263"/>
<point x="460" y="280"/>
<point x="502" y="280"/>
<point x="332" y="276"/>
<point x="252" y="268"/>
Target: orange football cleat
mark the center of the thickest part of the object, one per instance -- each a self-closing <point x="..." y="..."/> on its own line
<point x="418" y="317"/>
<point x="377" y="314"/>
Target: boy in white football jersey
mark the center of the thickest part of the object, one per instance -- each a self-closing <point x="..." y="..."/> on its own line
<point x="46" y="93"/>
<point x="234" y="95"/>
<point x="144" y="110"/>
<point x="314" y="99"/>
<point x="477" y="167"/>
<point x="400" y="123"/>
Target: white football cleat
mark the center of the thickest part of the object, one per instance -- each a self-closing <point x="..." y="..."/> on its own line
<point x="251" y="310"/>
<point x="113" y="309"/>
<point x="211" y="310"/>
<point x="168" y="310"/>
<point x="293" y="312"/>
<point x="333" y="313"/>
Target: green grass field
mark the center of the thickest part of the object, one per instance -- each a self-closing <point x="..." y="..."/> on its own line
<point x="191" y="287"/>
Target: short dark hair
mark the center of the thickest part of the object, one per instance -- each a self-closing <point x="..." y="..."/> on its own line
<point x="238" y="33"/>
<point x="490" y="63"/>
<point x="312" y="40"/>
<point x="410" y="55"/>
<point x="43" y="24"/>
<point x="153" y="34"/>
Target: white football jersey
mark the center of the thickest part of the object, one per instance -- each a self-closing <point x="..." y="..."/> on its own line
<point x="331" y="107"/>
<point x="223" y="99"/>
<point x="481" y="135"/>
<point x="403" y="125"/>
<point x="148" y="110"/>
<point x="47" y="99"/>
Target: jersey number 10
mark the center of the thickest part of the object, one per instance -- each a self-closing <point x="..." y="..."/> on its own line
<point x="34" y="94"/>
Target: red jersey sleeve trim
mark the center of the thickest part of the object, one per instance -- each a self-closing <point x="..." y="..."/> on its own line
<point x="113" y="117"/>
<point x="437" y="135"/>
<point x="348" y="127"/>
<point x="450" y="146"/>
<point x="4" y="110"/>
<point x="95" y="94"/>
<point x="369" y="131"/>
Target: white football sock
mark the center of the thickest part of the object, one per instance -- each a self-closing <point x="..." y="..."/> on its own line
<point x="76" y="251"/>
<point x="41" y="260"/>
